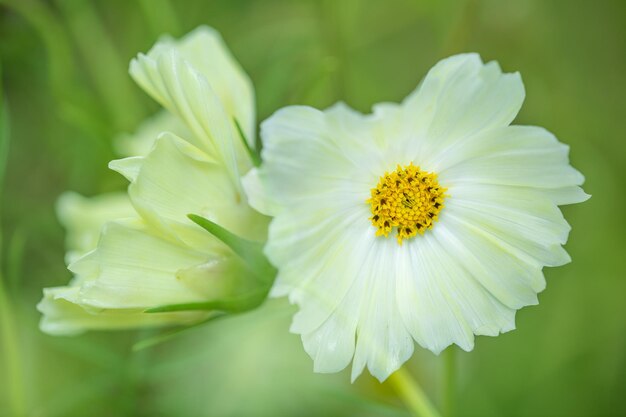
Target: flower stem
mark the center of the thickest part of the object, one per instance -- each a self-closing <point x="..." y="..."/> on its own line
<point x="11" y="350"/>
<point x="412" y="394"/>
<point x="449" y="382"/>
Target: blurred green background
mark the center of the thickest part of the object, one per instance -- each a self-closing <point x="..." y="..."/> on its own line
<point x="67" y="92"/>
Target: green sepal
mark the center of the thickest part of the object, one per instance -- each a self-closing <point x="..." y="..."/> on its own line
<point x="250" y="252"/>
<point x="257" y="268"/>
<point x="236" y="304"/>
<point x="253" y="153"/>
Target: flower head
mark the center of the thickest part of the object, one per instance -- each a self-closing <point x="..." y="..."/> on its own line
<point x="190" y="160"/>
<point x="429" y="220"/>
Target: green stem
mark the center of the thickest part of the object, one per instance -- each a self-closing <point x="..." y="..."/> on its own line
<point x="449" y="382"/>
<point x="106" y="68"/>
<point x="11" y="349"/>
<point x="412" y="394"/>
<point x="73" y="104"/>
<point x="9" y="335"/>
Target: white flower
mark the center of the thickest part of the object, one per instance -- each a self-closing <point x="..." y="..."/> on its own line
<point x="430" y="220"/>
<point x="83" y="218"/>
<point x="157" y="256"/>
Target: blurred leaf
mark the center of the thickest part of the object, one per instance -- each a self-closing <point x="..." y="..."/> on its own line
<point x="165" y="336"/>
<point x="67" y="400"/>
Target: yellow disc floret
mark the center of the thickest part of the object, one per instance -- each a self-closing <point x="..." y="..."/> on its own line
<point x="408" y="199"/>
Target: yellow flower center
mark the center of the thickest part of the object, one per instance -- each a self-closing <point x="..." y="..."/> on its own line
<point x="408" y="199"/>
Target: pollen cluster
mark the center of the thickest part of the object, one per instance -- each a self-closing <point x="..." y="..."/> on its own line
<point x="407" y="199"/>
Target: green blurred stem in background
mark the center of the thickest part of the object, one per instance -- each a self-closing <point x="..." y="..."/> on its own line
<point x="72" y="102"/>
<point x="107" y="69"/>
<point x="11" y="353"/>
<point x="448" y="390"/>
<point x="412" y="394"/>
<point x="9" y="334"/>
<point x="53" y="35"/>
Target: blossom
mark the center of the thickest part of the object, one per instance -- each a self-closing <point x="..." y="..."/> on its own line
<point x="426" y="221"/>
<point x="156" y="256"/>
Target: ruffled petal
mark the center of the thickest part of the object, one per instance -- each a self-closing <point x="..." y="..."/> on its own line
<point x="458" y="98"/>
<point x="441" y="302"/>
<point x="62" y="315"/>
<point x="258" y="197"/>
<point x="305" y="159"/>
<point x="317" y="279"/>
<point x="205" y="49"/>
<point x="513" y="279"/>
<point x="179" y="87"/>
<point x="521" y="217"/>
<point x="176" y="179"/>
<point x="343" y="304"/>
<point x="524" y="156"/>
<point x="137" y="268"/>
<point x="383" y="341"/>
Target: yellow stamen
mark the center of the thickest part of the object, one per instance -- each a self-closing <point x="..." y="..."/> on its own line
<point x="408" y="199"/>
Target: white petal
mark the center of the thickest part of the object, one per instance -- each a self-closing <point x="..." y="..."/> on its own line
<point x="496" y="265"/>
<point x="137" y="269"/>
<point x="128" y="167"/>
<point x="141" y="141"/>
<point x="521" y="217"/>
<point x="383" y="341"/>
<point x="440" y="302"/>
<point x="63" y="316"/>
<point x="331" y="345"/>
<point x="524" y="156"/>
<point x="303" y="160"/>
<point x="324" y="272"/>
<point x="459" y="97"/>
<point x="180" y="88"/>
<point x="424" y="299"/>
<point x="176" y="179"/>
<point x="565" y="195"/>
<point x="258" y="197"/>
<point x="83" y="217"/>
<point x="336" y="289"/>
<point x="205" y="49"/>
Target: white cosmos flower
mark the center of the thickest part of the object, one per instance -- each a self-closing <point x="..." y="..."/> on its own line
<point x="156" y="256"/>
<point x="429" y="220"/>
